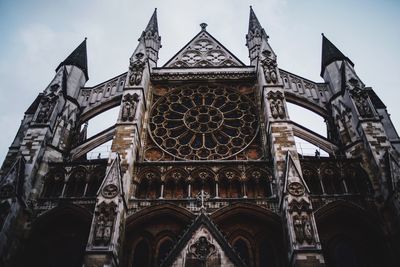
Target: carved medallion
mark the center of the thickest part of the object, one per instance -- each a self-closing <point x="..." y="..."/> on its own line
<point x="202" y="248"/>
<point x="296" y="189"/>
<point x="110" y="191"/>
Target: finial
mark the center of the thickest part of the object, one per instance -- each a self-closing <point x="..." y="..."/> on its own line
<point x="203" y="26"/>
<point x="322" y="34"/>
<point x="85" y="38"/>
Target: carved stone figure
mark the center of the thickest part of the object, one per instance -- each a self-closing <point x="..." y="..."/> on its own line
<point x="136" y="68"/>
<point x="307" y="228"/>
<point x="47" y="104"/>
<point x="276" y="105"/>
<point x="360" y="98"/>
<point x="269" y="65"/>
<point x="298" y="229"/>
<point x="129" y="107"/>
<point x="104" y="223"/>
<point x="303" y="229"/>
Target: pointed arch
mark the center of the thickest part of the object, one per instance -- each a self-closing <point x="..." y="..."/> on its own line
<point x="55" y="236"/>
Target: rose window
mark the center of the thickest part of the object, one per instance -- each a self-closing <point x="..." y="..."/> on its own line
<point x="199" y="123"/>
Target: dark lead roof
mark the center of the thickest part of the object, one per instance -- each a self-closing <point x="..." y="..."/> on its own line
<point x="77" y="58"/>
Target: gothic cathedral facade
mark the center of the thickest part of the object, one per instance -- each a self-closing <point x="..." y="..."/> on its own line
<point x="203" y="168"/>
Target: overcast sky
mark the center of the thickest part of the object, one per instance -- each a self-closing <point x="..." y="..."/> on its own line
<point x="37" y="35"/>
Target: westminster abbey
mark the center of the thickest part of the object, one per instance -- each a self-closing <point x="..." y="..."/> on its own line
<point x="203" y="168"/>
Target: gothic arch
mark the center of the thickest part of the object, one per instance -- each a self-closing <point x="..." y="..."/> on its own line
<point x="175" y="183"/>
<point x="152" y="212"/>
<point x="55" y="235"/>
<point x="149" y="184"/>
<point x="311" y="177"/>
<point x="140" y="255"/>
<point x="154" y="220"/>
<point x="54" y="183"/>
<point x="203" y="179"/>
<point x="76" y="183"/>
<point x="164" y="243"/>
<point x="259" y="226"/>
<point x="246" y="242"/>
<point x="350" y="232"/>
<point x="95" y="179"/>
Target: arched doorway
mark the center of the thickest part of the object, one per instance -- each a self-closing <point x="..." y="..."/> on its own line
<point x="58" y="239"/>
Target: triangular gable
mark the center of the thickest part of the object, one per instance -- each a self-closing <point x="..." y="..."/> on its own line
<point x="202" y="241"/>
<point x="293" y="175"/>
<point x="203" y="51"/>
<point x="112" y="183"/>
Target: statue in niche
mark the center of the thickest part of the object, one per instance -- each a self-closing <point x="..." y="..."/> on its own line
<point x="307" y="228"/>
<point x="129" y="107"/>
<point x="104" y="224"/>
<point x="269" y="66"/>
<point x="276" y="105"/>
<point x="47" y="104"/>
<point x="303" y="228"/>
<point x="360" y="98"/>
<point x="298" y="228"/>
<point x="136" y="68"/>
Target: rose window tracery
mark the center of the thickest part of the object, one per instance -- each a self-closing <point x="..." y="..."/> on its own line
<point x="200" y="122"/>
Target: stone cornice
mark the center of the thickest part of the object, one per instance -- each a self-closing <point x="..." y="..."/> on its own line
<point x="200" y="74"/>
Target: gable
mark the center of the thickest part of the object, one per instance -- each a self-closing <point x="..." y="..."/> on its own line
<point x="203" y="51"/>
<point x="202" y="243"/>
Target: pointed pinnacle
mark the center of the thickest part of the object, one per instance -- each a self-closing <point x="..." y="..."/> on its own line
<point x="253" y="21"/>
<point x="152" y="26"/>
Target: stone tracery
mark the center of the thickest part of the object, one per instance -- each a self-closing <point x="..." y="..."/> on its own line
<point x="199" y="122"/>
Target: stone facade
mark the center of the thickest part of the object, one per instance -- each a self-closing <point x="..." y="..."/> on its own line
<point x="204" y="169"/>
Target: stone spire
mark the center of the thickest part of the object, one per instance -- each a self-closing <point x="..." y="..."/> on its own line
<point x="256" y="39"/>
<point x="331" y="53"/>
<point x="151" y="38"/>
<point x="152" y="26"/>
<point x="254" y="25"/>
<point x="77" y="58"/>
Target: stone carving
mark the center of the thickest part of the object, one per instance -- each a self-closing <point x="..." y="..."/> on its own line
<point x="296" y="189"/>
<point x="104" y="224"/>
<point x="303" y="229"/>
<point x="298" y="206"/>
<point x="360" y="98"/>
<point x="47" y="104"/>
<point x="110" y="191"/>
<point x="276" y="105"/>
<point x="129" y="107"/>
<point x="136" y="68"/>
<point x="202" y="248"/>
<point x="269" y="65"/>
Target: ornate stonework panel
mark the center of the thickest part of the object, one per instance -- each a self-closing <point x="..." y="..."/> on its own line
<point x="203" y="51"/>
<point x="203" y="122"/>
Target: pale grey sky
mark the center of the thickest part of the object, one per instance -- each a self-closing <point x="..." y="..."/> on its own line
<point x="37" y="35"/>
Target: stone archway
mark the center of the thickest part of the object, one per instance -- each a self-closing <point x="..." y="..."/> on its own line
<point x="351" y="236"/>
<point x="58" y="238"/>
